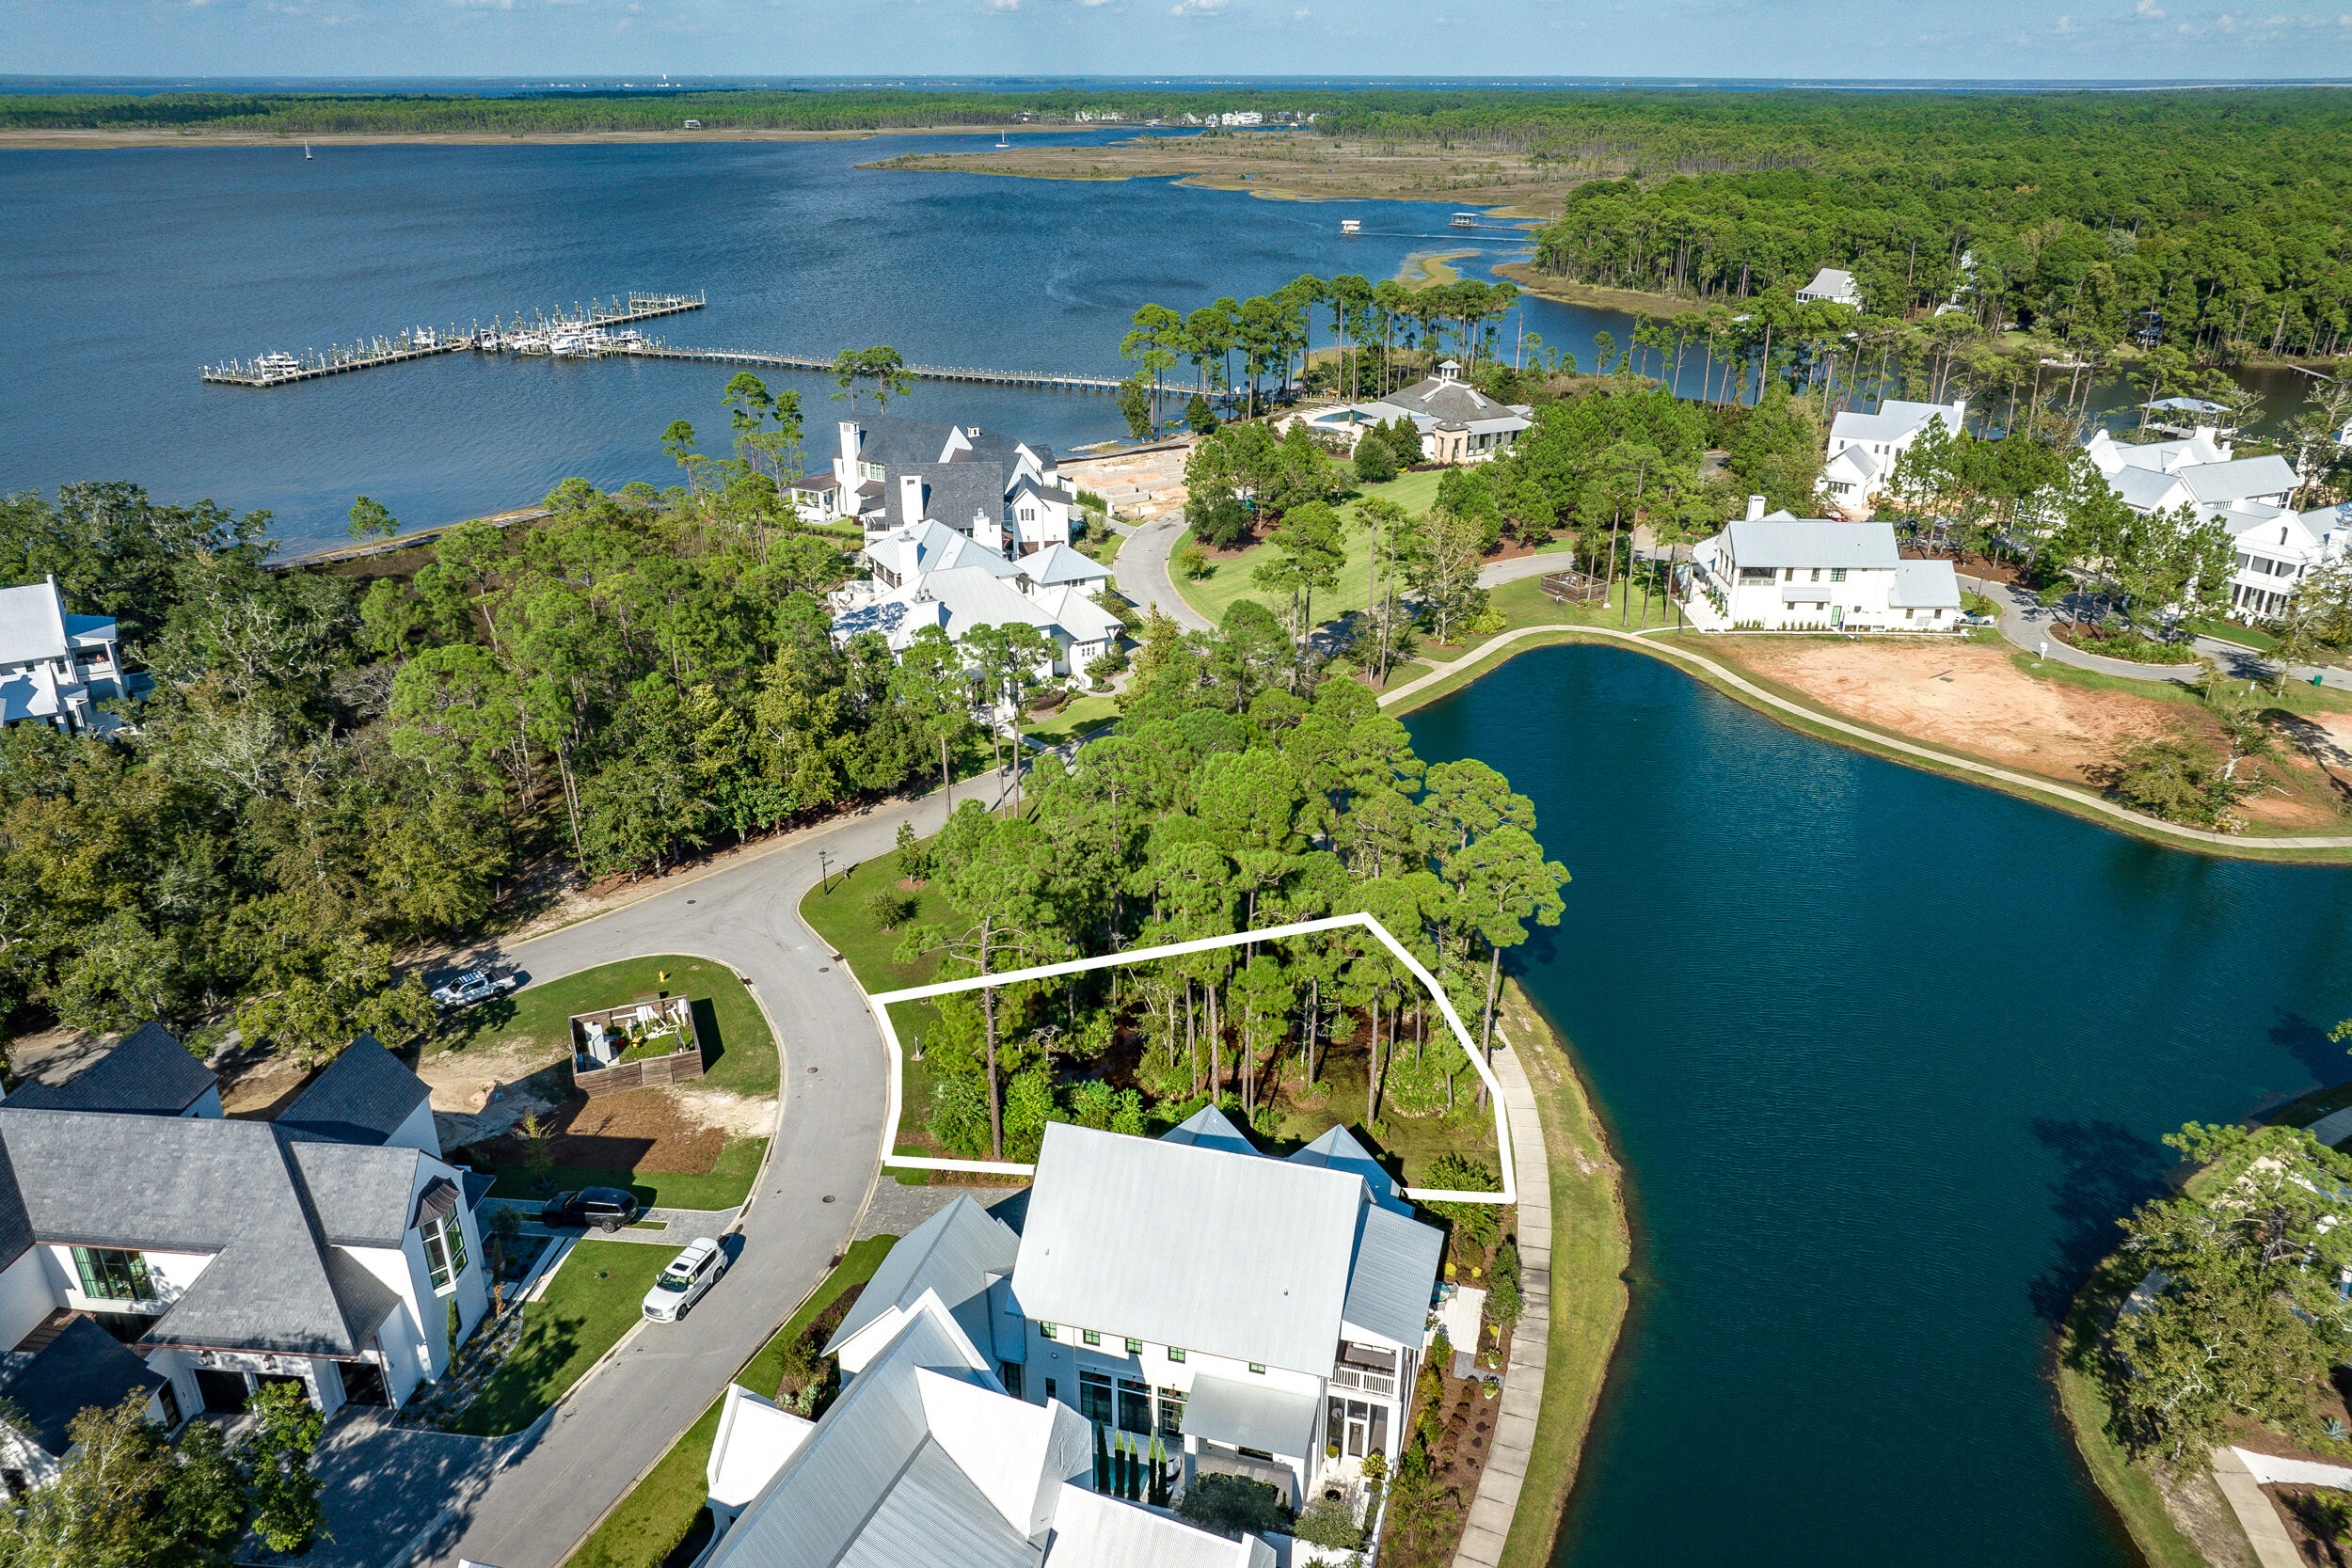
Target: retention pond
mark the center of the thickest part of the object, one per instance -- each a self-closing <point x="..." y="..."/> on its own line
<point x="1886" y="1056"/>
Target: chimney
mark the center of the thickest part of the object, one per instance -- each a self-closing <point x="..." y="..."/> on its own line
<point x="910" y="493"/>
<point x="1755" y="509"/>
<point x="848" y="443"/>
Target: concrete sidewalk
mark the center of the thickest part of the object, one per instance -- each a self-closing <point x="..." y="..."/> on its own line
<point x="1497" y="1503"/>
<point x="2025" y="622"/>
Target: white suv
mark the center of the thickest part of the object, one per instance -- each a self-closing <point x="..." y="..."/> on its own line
<point x="682" y="1284"/>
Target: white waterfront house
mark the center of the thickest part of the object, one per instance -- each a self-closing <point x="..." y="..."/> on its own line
<point x="1457" y="422"/>
<point x="57" y="667"/>
<point x="2247" y="496"/>
<point x="1830" y="286"/>
<point x="1864" y="448"/>
<point x="890" y="474"/>
<point x="928" y="574"/>
<point x="1170" y="1309"/>
<point x="1783" y="573"/>
<point x="149" y="1243"/>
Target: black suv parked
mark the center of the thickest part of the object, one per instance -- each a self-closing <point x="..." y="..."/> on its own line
<point x="602" y="1208"/>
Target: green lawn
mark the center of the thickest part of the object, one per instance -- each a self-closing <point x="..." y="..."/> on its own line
<point x="1229" y="580"/>
<point x="738" y="1050"/>
<point x="597" y="1294"/>
<point x="657" y="1512"/>
<point x="837" y="911"/>
<point x="1076" y="717"/>
<point x="728" y="1183"/>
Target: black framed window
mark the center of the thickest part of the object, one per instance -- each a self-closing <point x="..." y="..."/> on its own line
<point x="1094" y="1396"/>
<point x="1134" y="1407"/>
<point x="1171" y="1413"/>
<point x="445" y="1252"/>
<point x="111" y="1274"/>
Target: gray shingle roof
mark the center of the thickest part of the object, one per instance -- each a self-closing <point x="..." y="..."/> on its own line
<point x="84" y="1366"/>
<point x="362" y="1097"/>
<point x="953" y="492"/>
<point x="901" y="443"/>
<point x="195" y="1184"/>
<point x="146" y="1072"/>
<point x="358" y="1191"/>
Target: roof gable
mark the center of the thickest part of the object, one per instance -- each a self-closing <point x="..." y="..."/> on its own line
<point x="951" y="1254"/>
<point x="146" y="1072"/>
<point x="363" y="1096"/>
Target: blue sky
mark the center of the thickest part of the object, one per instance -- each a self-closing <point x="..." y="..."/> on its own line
<point x="1809" y="39"/>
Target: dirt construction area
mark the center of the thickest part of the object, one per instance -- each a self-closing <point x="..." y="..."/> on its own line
<point x="1972" y="697"/>
<point x="645" y="1129"/>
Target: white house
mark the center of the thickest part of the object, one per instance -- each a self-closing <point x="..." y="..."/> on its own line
<point x="1458" y="423"/>
<point x="1831" y="285"/>
<point x="927" y="575"/>
<point x="889" y="474"/>
<point x="2274" y="549"/>
<point x="925" y="1458"/>
<point x="55" y="667"/>
<point x="211" y="1255"/>
<point x="1782" y="573"/>
<point x="1863" y="449"/>
<point x="2247" y="496"/>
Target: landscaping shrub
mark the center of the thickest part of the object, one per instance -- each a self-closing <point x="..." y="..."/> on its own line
<point x="1192" y="561"/>
<point x="1374" y="463"/>
<point x="1232" y="1506"/>
<point x="890" y="909"/>
<point x="1973" y="602"/>
<point x="1329" y="1522"/>
<point x="1480" y="1223"/>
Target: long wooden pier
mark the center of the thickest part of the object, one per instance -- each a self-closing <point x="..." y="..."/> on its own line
<point x="584" y="334"/>
<point x="280" y="370"/>
<point x="1048" y="380"/>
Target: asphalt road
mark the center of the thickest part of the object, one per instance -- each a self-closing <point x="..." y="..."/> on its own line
<point x="820" y="1168"/>
<point x="1140" y="571"/>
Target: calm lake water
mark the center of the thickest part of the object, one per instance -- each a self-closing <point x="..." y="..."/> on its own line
<point x="1885" y="1056"/>
<point x="128" y="270"/>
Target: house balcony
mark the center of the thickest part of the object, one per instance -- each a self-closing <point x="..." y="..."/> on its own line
<point x="1382" y="1384"/>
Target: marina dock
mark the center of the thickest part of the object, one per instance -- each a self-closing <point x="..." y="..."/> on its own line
<point x="602" y="331"/>
<point x="544" y="334"/>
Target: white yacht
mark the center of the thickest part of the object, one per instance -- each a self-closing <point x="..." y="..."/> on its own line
<point x="277" y="364"/>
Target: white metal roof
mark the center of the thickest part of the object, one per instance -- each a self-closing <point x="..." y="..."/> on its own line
<point x="1897" y="418"/>
<point x="1091" y="1530"/>
<point x="1234" y="1255"/>
<point x="1389" y="1282"/>
<point x="32" y="623"/>
<point x="2218" y="483"/>
<point x="952" y="1253"/>
<point x="1925" y="585"/>
<point x="1810" y="541"/>
<point x="753" y="1440"/>
<point x="1253" y="1414"/>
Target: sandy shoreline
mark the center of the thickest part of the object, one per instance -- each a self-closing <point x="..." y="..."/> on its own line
<point x="85" y="141"/>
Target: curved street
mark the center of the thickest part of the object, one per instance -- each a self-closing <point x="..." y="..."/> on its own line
<point x="1140" y="571"/>
<point x="562" y="1475"/>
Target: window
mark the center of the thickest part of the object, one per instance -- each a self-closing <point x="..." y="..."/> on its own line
<point x="1135" y="1347"/>
<point x="110" y="1274"/>
<point x="1837" y="574"/>
<point x="1909" y="613"/>
<point x="1817" y="574"/>
<point x="1172" y="1414"/>
<point x="1134" y="1407"/>
<point x="1094" y="1396"/>
<point x="1757" y="574"/>
<point x="1049" y="1390"/>
<point x="1046" y="1329"/>
<point x="1009" y="1373"/>
<point x="1791" y="574"/>
<point x="1174" y="1353"/>
<point x="1089" y="1336"/>
<point x="869" y="470"/>
<point x="445" y="1252"/>
<point x="1028" y="513"/>
<point x="1258" y="1368"/>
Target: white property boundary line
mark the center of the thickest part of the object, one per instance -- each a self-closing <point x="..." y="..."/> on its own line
<point x="1141" y="955"/>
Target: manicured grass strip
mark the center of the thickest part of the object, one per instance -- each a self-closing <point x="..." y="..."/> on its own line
<point x="838" y="911"/>
<point x="1589" y="1253"/>
<point x="596" y="1294"/>
<point x="655" y="1514"/>
<point x="725" y="1185"/>
<point x="739" y="1052"/>
<point x="1076" y="718"/>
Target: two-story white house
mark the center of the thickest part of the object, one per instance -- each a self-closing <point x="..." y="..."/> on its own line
<point x="1831" y="286"/>
<point x="1003" y="493"/>
<point x="2274" y="546"/>
<point x="324" y="1248"/>
<point x="1782" y="573"/>
<point x="1864" y="448"/>
<point x="2276" y="549"/>
<point x="1205" y="1308"/>
<point x="57" y="667"/>
<point x="928" y="574"/>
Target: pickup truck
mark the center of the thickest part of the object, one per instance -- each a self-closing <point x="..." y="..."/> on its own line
<point x="469" y="988"/>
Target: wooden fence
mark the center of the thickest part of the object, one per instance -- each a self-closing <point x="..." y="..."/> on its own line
<point x="676" y="1068"/>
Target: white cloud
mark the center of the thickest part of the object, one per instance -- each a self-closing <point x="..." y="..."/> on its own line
<point x="1002" y="5"/>
<point x="1197" y="7"/>
<point x="2150" y="9"/>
